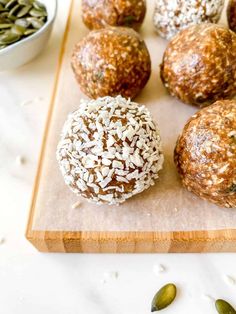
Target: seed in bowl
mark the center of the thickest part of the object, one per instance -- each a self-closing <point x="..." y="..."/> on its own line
<point x="205" y="154"/>
<point x="199" y="64"/>
<point x="101" y="13"/>
<point x="19" y="19"/>
<point x="111" y="61"/>
<point x="110" y="149"/>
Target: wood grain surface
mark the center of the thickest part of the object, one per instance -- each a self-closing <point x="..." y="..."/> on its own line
<point x="116" y="241"/>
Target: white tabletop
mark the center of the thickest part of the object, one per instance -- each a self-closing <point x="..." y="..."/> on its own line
<point x="32" y="282"/>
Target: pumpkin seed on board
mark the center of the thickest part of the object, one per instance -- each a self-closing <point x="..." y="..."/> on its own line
<point x="164" y="297"/>
<point x="224" y="307"/>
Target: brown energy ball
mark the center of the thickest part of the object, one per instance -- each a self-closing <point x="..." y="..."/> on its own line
<point x="110" y="150"/>
<point x="101" y="13"/>
<point x="111" y="61"/>
<point x="205" y="154"/>
<point x="199" y="64"/>
<point x="231" y="14"/>
<point x="171" y="16"/>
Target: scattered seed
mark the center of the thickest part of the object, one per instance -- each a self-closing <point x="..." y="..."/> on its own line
<point x="164" y="297"/>
<point x="110" y="276"/>
<point x="158" y="268"/>
<point x="2" y="240"/>
<point x="76" y="205"/>
<point x="20" y="160"/>
<point x="230" y="280"/>
<point x="224" y="307"/>
<point x="208" y="297"/>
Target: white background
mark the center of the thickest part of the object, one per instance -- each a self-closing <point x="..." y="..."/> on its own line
<point x="36" y="283"/>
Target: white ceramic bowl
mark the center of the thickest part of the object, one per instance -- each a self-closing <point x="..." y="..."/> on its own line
<point x="28" y="48"/>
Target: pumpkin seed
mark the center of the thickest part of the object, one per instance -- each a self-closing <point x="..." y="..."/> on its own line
<point x="24" y="10"/>
<point x="22" y="22"/>
<point x="2" y="46"/>
<point x="5" y="26"/>
<point x="37" y="13"/>
<point x="30" y="31"/>
<point x="39" y="6"/>
<point x="224" y="307"/>
<point x="13" y="11"/>
<point x="17" y="29"/>
<point x="164" y="297"/>
<point x="10" y="4"/>
<point x="4" y="2"/>
<point x="36" y="23"/>
<point x="25" y="2"/>
<point x="8" y="38"/>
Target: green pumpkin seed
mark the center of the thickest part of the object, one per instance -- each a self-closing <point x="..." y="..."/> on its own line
<point x="4" y="2"/>
<point x="30" y="31"/>
<point x="10" y="4"/>
<point x="164" y="297"/>
<point x="22" y="22"/>
<point x="8" y="38"/>
<point x="224" y="307"/>
<point x="13" y="11"/>
<point x="19" y="30"/>
<point x="37" y="13"/>
<point x="5" y="26"/>
<point x="36" y="23"/>
<point x="39" y="6"/>
<point x="25" y="2"/>
<point x="23" y="11"/>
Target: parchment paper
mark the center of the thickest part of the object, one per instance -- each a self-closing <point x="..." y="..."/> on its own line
<point x="164" y="207"/>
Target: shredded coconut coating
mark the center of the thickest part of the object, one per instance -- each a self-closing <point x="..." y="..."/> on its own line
<point x="205" y="154"/>
<point x="110" y="149"/>
<point x="171" y="16"/>
<point x="111" y="61"/>
<point x="231" y="15"/>
<point x="199" y="64"/>
<point x="97" y="14"/>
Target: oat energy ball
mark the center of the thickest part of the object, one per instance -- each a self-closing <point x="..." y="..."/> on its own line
<point x="231" y="14"/>
<point x="101" y="13"/>
<point x="205" y="154"/>
<point x="199" y="64"/>
<point x="171" y="16"/>
<point x="110" y="150"/>
<point x="111" y="61"/>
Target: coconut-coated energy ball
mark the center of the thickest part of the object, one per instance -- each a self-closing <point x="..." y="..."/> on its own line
<point x="110" y="149"/>
<point x="231" y="15"/>
<point x="199" y="64"/>
<point x="111" y="61"/>
<point x="171" y="16"/>
<point x="101" y="13"/>
<point x="205" y="154"/>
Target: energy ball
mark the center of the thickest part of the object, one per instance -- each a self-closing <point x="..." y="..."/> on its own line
<point x="199" y="64"/>
<point x="231" y="15"/>
<point x="111" y="61"/>
<point x="205" y="154"/>
<point x="101" y="13"/>
<point x="171" y="16"/>
<point x="110" y="149"/>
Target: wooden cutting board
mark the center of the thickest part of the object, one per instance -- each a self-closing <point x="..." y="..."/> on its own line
<point x="165" y="218"/>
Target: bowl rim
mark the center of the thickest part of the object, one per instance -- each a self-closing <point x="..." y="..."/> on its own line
<point x="36" y="34"/>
